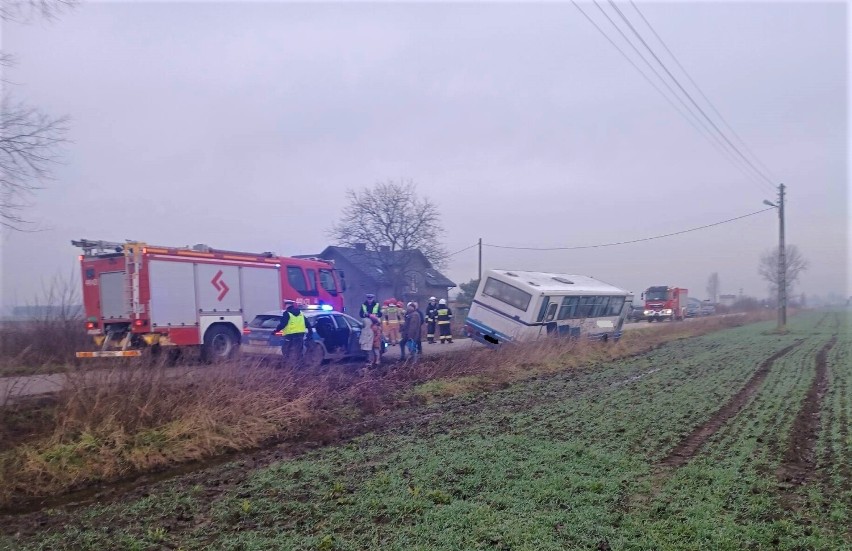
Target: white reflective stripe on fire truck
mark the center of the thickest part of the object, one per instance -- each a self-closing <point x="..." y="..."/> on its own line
<point x="110" y="354"/>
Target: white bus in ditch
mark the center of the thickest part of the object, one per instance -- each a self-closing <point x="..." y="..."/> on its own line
<point x="512" y="306"/>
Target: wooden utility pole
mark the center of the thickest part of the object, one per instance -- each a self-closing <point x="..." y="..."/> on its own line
<point x="480" y="259"/>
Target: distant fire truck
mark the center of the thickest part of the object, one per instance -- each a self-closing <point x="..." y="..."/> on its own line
<point x="664" y="302"/>
<point x="138" y="296"/>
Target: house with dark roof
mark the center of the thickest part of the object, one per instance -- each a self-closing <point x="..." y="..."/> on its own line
<point x="406" y="275"/>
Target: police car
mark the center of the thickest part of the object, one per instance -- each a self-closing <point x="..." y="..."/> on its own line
<point x="334" y="337"/>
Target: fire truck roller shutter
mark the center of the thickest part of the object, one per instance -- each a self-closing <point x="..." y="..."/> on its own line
<point x="114" y="304"/>
<point x="261" y="291"/>
<point x="218" y="287"/>
<point x="172" y="294"/>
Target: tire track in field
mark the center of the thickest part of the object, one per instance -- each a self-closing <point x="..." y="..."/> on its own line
<point x="799" y="462"/>
<point x="692" y="443"/>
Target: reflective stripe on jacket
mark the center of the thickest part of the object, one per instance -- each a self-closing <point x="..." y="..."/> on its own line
<point x="392" y="315"/>
<point x="444" y="315"/>
<point x="431" y="312"/>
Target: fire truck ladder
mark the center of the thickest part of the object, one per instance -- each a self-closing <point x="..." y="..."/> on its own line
<point x="133" y="259"/>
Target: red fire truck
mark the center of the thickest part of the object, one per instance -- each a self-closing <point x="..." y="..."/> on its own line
<point x="664" y="302"/>
<point x="137" y="296"/>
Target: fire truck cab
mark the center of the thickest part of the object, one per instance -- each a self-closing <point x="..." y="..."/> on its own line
<point x="665" y="302"/>
<point x="137" y="296"/>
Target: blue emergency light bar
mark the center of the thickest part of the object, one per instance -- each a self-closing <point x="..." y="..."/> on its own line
<point x="324" y="307"/>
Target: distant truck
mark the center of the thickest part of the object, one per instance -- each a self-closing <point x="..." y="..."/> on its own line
<point x="138" y="296"/>
<point x="665" y="303"/>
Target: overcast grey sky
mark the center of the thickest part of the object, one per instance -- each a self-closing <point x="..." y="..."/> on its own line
<point x="241" y="125"/>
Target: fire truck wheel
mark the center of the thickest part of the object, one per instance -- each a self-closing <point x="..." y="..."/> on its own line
<point x="220" y="344"/>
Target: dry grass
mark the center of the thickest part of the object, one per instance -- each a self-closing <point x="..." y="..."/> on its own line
<point x="48" y="341"/>
<point x="108" y="424"/>
<point x="40" y="346"/>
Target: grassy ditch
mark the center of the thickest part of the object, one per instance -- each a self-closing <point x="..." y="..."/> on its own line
<point x="111" y="424"/>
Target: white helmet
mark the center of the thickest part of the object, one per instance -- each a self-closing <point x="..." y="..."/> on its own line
<point x="442" y="302"/>
<point x="432" y="299"/>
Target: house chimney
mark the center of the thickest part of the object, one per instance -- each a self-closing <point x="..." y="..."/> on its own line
<point x="384" y="248"/>
<point x="360" y="246"/>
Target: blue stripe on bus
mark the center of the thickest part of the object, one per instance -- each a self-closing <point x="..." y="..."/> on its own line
<point x="481" y="327"/>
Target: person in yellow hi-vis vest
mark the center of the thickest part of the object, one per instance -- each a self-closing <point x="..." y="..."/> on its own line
<point x="445" y="315"/>
<point x="392" y="319"/>
<point x="294" y="329"/>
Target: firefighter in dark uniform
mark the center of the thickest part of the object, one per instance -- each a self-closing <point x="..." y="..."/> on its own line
<point x="431" y="318"/>
<point x="444" y="317"/>
<point x="370" y="307"/>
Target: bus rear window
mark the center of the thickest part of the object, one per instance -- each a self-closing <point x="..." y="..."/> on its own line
<point x="507" y="294"/>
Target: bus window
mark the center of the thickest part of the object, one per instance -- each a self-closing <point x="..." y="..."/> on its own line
<point x="586" y="307"/>
<point x="312" y="280"/>
<point x="601" y="307"/>
<point x="506" y="293"/>
<point x="544" y="302"/>
<point x="296" y="279"/>
<point x="568" y="308"/>
<point x="615" y="306"/>
<point x="327" y="281"/>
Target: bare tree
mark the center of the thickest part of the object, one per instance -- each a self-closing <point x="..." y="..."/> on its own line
<point x="713" y="286"/>
<point x="29" y="139"/>
<point x="24" y="11"/>
<point x="28" y="148"/>
<point x="768" y="268"/>
<point x="395" y="226"/>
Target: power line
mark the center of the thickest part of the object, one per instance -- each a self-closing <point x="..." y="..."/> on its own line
<point x="703" y="130"/>
<point x="689" y="96"/>
<point x="463" y="250"/>
<point x="704" y="227"/>
<point x="700" y="91"/>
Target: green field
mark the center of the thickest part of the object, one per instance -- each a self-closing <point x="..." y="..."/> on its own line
<point x="578" y="460"/>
